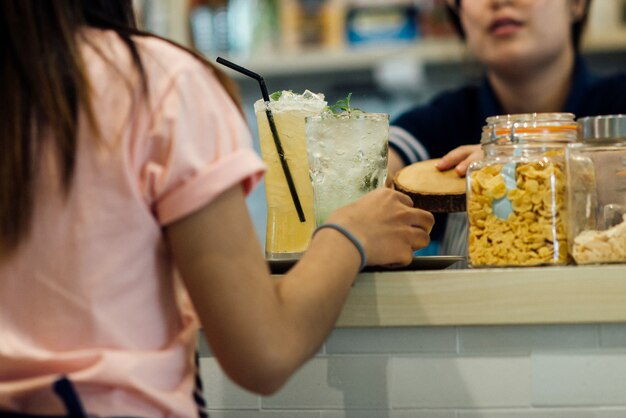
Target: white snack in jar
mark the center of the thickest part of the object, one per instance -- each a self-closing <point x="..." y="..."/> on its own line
<point x="606" y="246"/>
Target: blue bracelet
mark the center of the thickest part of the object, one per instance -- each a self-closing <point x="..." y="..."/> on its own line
<point x="351" y="237"/>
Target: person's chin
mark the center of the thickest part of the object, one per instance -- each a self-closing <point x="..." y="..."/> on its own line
<point x="510" y="62"/>
<point x="512" y="54"/>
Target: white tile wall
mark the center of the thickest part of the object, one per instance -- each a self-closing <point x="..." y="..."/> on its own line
<point x="613" y="335"/>
<point x="429" y="382"/>
<point x="467" y="372"/>
<point x="336" y="382"/>
<point x="408" y="413"/>
<point x="617" y="413"/>
<point x="220" y="392"/>
<point x="533" y="413"/>
<point x="264" y="414"/>
<point x="524" y="339"/>
<point x="563" y="379"/>
<point x="392" y="340"/>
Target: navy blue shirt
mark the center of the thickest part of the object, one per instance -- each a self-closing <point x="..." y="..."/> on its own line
<point x="456" y="117"/>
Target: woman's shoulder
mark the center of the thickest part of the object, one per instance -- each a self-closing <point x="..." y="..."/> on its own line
<point x="159" y="57"/>
<point x="606" y="94"/>
<point x="446" y="121"/>
<point x="616" y="81"/>
<point x="445" y="105"/>
<point x="458" y="96"/>
<point x="168" y="55"/>
<point x="450" y="102"/>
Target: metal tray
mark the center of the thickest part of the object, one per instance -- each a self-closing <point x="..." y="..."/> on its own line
<point x="435" y="262"/>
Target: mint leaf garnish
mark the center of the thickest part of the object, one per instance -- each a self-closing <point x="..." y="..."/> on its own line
<point x="343" y="106"/>
<point x="276" y="95"/>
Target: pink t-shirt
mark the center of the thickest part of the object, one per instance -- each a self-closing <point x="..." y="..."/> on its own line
<point x="92" y="292"/>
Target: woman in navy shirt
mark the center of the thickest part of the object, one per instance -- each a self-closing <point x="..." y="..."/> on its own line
<point x="530" y="51"/>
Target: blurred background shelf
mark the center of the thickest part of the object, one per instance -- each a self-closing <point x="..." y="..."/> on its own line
<point x="326" y="60"/>
<point x="291" y="37"/>
<point x="400" y="52"/>
<point x="391" y="54"/>
<point x="425" y="51"/>
<point x="391" y="47"/>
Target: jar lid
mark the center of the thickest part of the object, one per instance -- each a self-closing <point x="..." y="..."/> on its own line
<point x="530" y="127"/>
<point x="600" y="128"/>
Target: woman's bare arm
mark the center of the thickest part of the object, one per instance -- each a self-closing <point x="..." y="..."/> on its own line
<point x="261" y="330"/>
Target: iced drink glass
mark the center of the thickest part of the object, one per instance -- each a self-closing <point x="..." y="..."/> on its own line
<point x="347" y="157"/>
<point x="286" y="236"/>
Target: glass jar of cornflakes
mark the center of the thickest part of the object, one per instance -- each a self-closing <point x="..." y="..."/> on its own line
<point x="516" y="195"/>
<point x="596" y="168"/>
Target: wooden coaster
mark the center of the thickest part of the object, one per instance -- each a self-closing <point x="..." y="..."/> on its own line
<point x="431" y="189"/>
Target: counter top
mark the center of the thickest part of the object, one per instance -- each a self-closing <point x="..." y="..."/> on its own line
<point x="541" y="295"/>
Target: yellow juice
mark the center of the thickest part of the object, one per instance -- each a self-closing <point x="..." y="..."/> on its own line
<point x="286" y="235"/>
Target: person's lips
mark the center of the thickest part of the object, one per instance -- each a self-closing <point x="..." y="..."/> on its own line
<point x="505" y="27"/>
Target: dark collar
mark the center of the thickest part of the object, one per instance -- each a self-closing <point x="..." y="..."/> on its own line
<point x="488" y="102"/>
<point x="581" y="83"/>
<point x="583" y="78"/>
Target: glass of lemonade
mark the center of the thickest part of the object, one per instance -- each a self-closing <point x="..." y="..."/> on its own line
<point x="287" y="237"/>
<point x="347" y="157"/>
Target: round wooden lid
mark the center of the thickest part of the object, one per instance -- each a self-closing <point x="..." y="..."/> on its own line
<point x="431" y="189"/>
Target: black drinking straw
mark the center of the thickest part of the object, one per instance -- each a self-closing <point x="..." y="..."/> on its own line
<point x="270" y="119"/>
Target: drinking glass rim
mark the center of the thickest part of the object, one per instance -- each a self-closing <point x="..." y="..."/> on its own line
<point x="363" y="115"/>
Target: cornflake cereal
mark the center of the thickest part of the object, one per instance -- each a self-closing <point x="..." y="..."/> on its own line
<point x="601" y="246"/>
<point x="534" y="232"/>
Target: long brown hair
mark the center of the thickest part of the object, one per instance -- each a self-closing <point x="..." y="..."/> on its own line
<point x="43" y="84"/>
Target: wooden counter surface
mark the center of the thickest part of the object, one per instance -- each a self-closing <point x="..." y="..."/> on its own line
<point x="550" y="295"/>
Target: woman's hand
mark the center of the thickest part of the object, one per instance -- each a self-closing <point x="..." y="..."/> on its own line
<point x="460" y="158"/>
<point x="387" y="225"/>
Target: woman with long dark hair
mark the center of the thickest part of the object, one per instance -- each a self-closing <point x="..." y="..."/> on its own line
<point x="124" y="159"/>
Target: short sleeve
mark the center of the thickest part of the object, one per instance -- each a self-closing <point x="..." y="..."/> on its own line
<point x="198" y="146"/>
